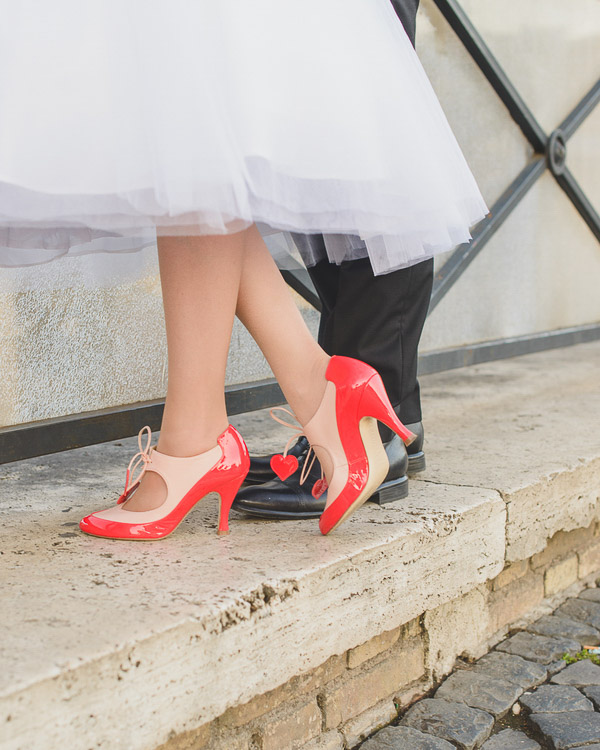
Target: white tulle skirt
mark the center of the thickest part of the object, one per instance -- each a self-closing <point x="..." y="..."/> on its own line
<point x="124" y="119"/>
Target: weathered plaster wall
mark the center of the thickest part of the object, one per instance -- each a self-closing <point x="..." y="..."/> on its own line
<point x="541" y="271"/>
<point x="68" y="345"/>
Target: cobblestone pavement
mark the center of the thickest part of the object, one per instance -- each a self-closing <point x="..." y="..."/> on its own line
<point x="523" y="695"/>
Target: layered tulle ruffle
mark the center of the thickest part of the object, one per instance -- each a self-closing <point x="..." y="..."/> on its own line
<point x="124" y="120"/>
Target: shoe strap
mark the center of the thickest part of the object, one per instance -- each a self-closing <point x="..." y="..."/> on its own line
<point x="298" y="432"/>
<point x="139" y="463"/>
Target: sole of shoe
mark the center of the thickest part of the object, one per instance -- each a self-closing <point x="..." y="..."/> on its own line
<point x="279" y="515"/>
<point x="416" y="463"/>
<point x="389" y="492"/>
<point x="163" y="536"/>
<point x="251" y="482"/>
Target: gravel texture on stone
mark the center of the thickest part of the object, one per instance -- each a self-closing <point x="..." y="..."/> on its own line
<point x="580" y="609"/>
<point x="554" y="699"/>
<point x="508" y="739"/>
<point x="592" y="595"/>
<point x="581" y="673"/>
<point x="526" y="674"/>
<point x="405" y="738"/>
<point x="593" y="693"/>
<point x="564" y="627"/>
<point x="479" y="690"/>
<point x="570" y="729"/>
<point x="465" y="726"/>
<point x="538" y="648"/>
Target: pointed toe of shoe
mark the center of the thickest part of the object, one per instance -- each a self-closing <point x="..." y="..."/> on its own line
<point x="331" y="517"/>
<point x="324" y="526"/>
<point x="95" y="525"/>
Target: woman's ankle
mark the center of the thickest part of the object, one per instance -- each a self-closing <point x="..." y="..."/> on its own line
<point x="190" y="441"/>
<point x="307" y="394"/>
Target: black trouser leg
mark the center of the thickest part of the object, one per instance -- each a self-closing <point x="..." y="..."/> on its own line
<point x="378" y="319"/>
<point x="406" y="11"/>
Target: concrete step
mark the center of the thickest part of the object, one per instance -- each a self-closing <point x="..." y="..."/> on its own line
<point x="119" y="645"/>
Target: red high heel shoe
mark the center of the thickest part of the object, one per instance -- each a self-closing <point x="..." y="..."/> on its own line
<point x="222" y="469"/>
<point x="345" y="434"/>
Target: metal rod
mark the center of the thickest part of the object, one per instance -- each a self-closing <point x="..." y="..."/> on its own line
<point x="299" y="280"/>
<point x="473" y="354"/>
<point x="491" y="68"/>
<point x="579" y="199"/>
<point x="76" y="431"/>
<point x="464" y="254"/>
<point x="573" y="120"/>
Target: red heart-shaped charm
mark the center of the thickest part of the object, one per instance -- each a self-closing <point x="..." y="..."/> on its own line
<point x="319" y="487"/>
<point x="284" y="466"/>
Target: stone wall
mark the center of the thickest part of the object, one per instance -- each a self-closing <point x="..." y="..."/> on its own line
<point x="351" y="695"/>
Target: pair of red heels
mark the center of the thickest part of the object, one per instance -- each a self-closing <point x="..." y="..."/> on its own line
<point x="343" y="432"/>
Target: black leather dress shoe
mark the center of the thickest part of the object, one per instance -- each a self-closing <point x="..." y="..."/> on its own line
<point x="260" y="466"/>
<point x="288" y="499"/>
<point x="261" y="471"/>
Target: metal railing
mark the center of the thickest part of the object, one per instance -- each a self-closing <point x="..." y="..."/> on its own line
<point x="550" y="152"/>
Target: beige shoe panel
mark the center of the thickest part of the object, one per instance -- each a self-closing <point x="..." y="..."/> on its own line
<point x="178" y="474"/>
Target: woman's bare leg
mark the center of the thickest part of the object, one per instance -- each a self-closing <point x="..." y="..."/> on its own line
<point x="200" y="278"/>
<point x="267" y="309"/>
<point x="204" y="280"/>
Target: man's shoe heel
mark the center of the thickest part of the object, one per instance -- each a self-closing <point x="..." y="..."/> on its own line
<point x="389" y="492"/>
<point x="416" y="463"/>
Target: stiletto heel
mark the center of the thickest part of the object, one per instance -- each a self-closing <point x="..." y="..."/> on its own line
<point x="221" y="469"/>
<point x="227" y="495"/>
<point x="375" y="403"/>
<point x="344" y="432"/>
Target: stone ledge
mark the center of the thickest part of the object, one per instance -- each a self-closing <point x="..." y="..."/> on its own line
<point x="173" y="634"/>
<point x="204" y="639"/>
<point x="527" y="427"/>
